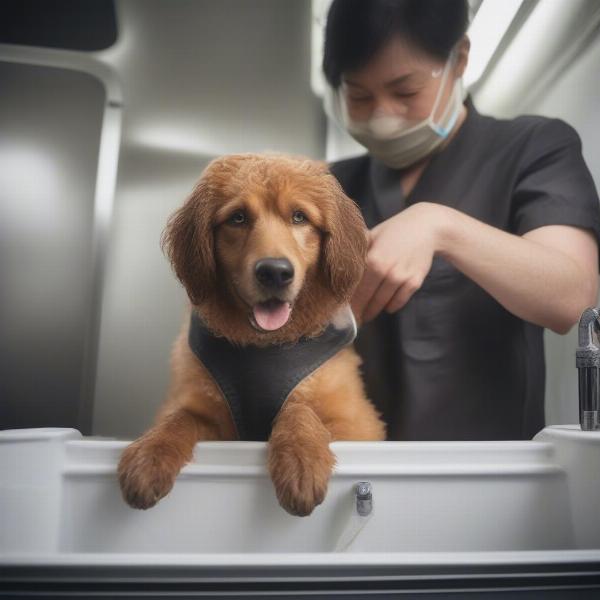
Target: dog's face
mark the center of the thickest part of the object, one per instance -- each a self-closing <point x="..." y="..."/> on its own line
<point x="268" y="242"/>
<point x="267" y="246"/>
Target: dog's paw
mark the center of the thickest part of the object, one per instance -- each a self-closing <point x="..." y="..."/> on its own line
<point x="300" y="479"/>
<point x="147" y="470"/>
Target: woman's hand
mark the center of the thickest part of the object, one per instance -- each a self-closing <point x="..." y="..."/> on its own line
<point x="400" y="254"/>
<point x="547" y="276"/>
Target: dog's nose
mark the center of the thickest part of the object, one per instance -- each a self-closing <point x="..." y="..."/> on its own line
<point x="274" y="273"/>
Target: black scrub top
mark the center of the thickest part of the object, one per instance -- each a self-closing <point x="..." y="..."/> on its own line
<point x="453" y="364"/>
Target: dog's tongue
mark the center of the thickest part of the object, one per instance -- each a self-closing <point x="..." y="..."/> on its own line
<point x="272" y="314"/>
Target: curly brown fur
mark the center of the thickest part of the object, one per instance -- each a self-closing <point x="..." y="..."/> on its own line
<point x="215" y="260"/>
<point x="274" y="185"/>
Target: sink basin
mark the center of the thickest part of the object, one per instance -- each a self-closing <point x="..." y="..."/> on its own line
<point x="436" y="505"/>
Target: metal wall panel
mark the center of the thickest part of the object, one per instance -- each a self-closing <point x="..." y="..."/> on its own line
<point x="50" y="124"/>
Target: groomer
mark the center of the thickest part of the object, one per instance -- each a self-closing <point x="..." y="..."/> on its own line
<point x="483" y="232"/>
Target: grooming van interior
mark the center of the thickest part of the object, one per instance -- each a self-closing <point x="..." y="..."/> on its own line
<point x="109" y="112"/>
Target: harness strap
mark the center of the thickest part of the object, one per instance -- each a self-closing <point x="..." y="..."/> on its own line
<point x="256" y="381"/>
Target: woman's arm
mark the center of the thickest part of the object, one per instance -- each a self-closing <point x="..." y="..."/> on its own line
<point x="548" y="276"/>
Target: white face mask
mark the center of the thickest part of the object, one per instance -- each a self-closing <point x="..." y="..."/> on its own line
<point x="399" y="142"/>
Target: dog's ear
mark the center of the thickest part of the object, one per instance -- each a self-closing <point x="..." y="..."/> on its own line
<point x="188" y="242"/>
<point x="345" y="243"/>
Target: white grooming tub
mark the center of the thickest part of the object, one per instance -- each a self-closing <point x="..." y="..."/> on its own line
<point x="446" y="518"/>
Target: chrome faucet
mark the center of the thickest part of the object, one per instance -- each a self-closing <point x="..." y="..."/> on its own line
<point x="364" y="498"/>
<point x="587" y="360"/>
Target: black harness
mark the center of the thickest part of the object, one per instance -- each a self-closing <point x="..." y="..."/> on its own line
<point x="257" y="381"/>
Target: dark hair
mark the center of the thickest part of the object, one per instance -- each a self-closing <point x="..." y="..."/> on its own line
<point x="357" y="29"/>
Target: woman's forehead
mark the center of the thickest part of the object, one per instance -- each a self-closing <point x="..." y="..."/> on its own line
<point x="396" y="62"/>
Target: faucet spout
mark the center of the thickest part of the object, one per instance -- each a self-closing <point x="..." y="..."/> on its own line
<point x="364" y="498"/>
<point x="587" y="360"/>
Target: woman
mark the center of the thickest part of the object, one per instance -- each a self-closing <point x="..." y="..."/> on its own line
<point x="483" y="232"/>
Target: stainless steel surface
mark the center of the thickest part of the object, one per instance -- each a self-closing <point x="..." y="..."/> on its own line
<point x="51" y="121"/>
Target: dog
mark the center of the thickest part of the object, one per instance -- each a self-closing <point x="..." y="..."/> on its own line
<point x="269" y="250"/>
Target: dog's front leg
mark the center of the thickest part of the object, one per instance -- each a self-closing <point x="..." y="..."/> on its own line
<point x="299" y="459"/>
<point x="148" y="467"/>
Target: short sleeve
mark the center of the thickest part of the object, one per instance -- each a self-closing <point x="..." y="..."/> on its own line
<point x="554" y="185"/>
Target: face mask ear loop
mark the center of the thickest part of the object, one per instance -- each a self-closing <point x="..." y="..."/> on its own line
<point x="447" y="67"/>
<point x="444" y="132"/>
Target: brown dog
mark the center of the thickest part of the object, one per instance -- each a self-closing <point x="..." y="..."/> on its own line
<point x="269" y="250"/>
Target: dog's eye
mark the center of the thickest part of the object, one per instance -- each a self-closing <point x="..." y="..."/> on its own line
<point x="298" y="217"/>
<point x="238" y="218"/>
